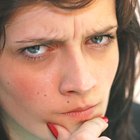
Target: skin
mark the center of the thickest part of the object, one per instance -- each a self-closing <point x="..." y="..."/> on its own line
<point x="72" y="73"/>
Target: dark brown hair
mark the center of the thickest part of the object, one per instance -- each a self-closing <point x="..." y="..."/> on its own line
<point x="129" y="45"/>
<point x="119" y="107"/>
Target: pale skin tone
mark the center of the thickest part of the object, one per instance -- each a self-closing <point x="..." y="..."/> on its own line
<point x="72" y="69"/>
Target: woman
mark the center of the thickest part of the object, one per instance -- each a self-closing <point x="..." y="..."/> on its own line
<point x="65" y="65"/>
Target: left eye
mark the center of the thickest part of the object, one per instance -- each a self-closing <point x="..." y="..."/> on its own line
<point x="100" y="41"/>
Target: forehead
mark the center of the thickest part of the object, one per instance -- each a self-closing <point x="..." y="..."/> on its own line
<point x="99" y="6"/>
<point x="45" y="18"/>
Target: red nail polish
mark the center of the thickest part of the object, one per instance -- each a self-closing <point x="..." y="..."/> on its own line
<point x="53" y="130"/>
<point x="105" y="119"/>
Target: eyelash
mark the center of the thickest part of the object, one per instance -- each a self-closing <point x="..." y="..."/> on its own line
<point x="108" y="39"/>
<point x="34" y="56"/>
<point x="49" y="48"/>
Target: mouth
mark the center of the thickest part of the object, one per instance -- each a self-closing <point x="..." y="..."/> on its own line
<point x="82" y="114"/>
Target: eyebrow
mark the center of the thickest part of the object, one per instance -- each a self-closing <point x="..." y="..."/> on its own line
<point x="103" y="30"/>
<point x="63" y="40"/>
<point x="43" y="41"/>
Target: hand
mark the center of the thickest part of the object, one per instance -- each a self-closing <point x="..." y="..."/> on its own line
<point x="90" y="130"/>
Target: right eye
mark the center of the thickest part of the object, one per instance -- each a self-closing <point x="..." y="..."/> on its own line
<point x="37" y="51"/>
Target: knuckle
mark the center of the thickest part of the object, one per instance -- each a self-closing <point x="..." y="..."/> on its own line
<point x="100" y="124"/>
<point x="104" y="138"/>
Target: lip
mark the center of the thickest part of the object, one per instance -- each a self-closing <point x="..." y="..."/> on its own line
<point x="82" y="113"/>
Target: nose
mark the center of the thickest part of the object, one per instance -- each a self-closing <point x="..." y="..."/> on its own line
<point x="77" y="77"/>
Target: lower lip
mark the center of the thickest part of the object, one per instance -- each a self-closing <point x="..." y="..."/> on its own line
<point x="82" y="115"/>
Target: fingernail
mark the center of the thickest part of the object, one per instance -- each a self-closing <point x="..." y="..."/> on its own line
<point x="105" y="119"/>
<point x="53" y="130"/>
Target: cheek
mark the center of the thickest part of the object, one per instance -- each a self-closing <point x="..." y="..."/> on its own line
<point x="111" y="68"/>
<point x="27" y="85"/>
<point x="106" y="74"/>
<point x="28" y="88"/>
<point x="29" y="96"/>
<point x="108" y="77"/>
<point x="33" y="87"/>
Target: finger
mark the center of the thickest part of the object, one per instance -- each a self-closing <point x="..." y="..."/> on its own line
<point x="89" y="130"/>
<point x="93" y="127"/>
<point x="104" y="138"/>
<point x="64" y="134"/>
<point x="59" y="132"/>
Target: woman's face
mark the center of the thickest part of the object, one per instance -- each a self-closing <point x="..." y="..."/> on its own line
<point x="58" y="66"/>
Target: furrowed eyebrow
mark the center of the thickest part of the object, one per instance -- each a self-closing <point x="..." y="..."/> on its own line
<point x="42" y="41"/>
<point x="63" y="40"/>
<point x="103" y="30"/>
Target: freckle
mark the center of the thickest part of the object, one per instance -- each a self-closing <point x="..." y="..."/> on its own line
<point x="45" y="95"/>
<point x="68" y="102"/>
<point x="8" y="83"/>
<point x="38" y="93"/>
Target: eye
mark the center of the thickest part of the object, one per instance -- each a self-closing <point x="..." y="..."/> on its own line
<point x="35" y="50"/>
<point x="100" y="41"/>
